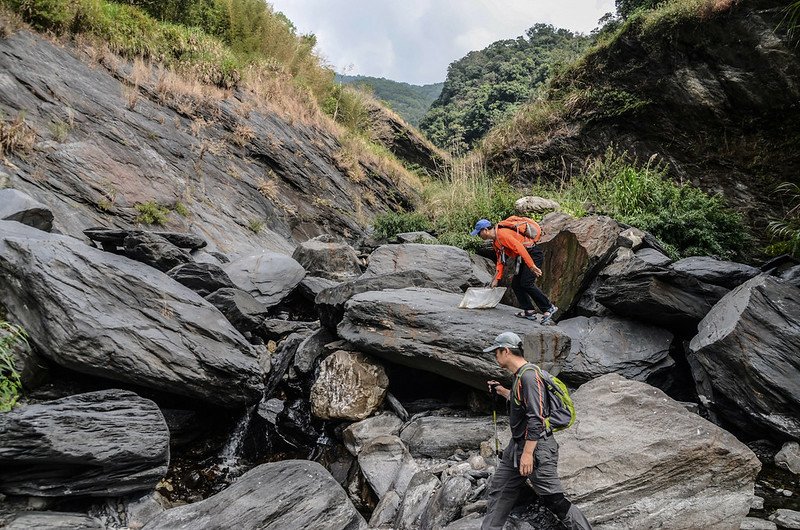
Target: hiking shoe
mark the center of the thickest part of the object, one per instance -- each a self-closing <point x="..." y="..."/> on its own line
<point x="547" y="317"/>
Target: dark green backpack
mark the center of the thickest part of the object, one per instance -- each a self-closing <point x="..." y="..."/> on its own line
<point x="560" y="406"/>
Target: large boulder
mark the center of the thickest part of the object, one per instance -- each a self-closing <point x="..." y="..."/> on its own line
<point x="446" y="504"/>
<point x="727" y="274"/>
<point x="425" y="329"/>
<point x="350" y="386"/>
<point x="239" y="307"/>
<point x="268" y="276"/>
<point x="637" y="459"/>
<point x="330" y="302"/>
<point x="358" y="434"/>
<point x="20" y="207"/>
<point x="154" y="250"/>
<point x="575" y="250"/>
<point x="202" y="278"/>
<point x="651" y="293"/>
<point x="419" y="494"/>
<point x="449" y="266"/>
<point x="604" y="345"/>
<point x="441" y="436"/>
<point x="113" y="239"/>
<point x="102" y="444"/>
<point x="387" y="465"/>
<point x="287" y="494"/>
<point x="746" y="348"/>
<point x="102" y="314"/>
<point x="328" y="257"/>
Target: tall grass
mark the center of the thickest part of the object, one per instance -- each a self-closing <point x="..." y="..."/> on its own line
<point x="11" y="336"/>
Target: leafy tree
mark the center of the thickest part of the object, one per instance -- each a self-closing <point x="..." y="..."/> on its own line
<point x="486" y="86"/>
<point x="409" y="101"/>
<point x="626" y="8"/>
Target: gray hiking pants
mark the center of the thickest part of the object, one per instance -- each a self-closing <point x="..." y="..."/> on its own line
<point x="507" y="484"/>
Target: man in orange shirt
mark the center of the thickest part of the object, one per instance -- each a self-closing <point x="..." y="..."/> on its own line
<point x="509" y="243"/>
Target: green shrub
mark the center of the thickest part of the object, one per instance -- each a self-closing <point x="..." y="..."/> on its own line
<point x="10" y="382"/>
<point x="390" y="224"/>
<point x="785" y="232"/>
<point x="255" y="225"/>
<point x="151" y="213"/>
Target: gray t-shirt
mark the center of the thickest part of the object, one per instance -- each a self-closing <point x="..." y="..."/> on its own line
<point x="527" y="404"/>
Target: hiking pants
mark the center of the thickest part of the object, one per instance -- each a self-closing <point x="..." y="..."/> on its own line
<point x="524" y="283"/>
<point x="507" y="484"/>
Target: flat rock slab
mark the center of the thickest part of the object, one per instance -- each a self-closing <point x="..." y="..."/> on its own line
<point x="102" y="314"/>
<point x="154" y="250"/>
<point x="357" y="434"/>
<point x="747" y="348"/>
<point x="268" y="276"/>
<point x="636" y="458"/>
<point x="425" y="329"/>
<point x="604" y="345"/>
<point x="20" y="207"/>
<point x="727" y="274"/>
<point x="387" y="465"/>
<point x="115" y="237"/>
<point x="444" y="264"/>
<point x="102" y="444"/>
<point x="202" y="278"/>
<point x="54" y="521"/>
<point x="287" y="494"/>
<point x="441" y="436"/>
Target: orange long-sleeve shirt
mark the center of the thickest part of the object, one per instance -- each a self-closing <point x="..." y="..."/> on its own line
<point x="510" y="244"/>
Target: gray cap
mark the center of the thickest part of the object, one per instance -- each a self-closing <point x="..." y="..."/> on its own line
<point x="507" y="339"/>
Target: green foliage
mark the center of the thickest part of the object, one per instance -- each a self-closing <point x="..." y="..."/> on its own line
<point x="409" y="101"/>
<point x="685" y="218"/>
<point x="785" y="232"/>
<point x="345" y="105"/>
<point x="626" y="8"/>
<point x="11" y="336"/>
<point x="485" y="87"/>
<point x="151" y="213"/>
<point x="390" y="224"/>
<point x="181" y="209"/>
<point x="255" y="225"/>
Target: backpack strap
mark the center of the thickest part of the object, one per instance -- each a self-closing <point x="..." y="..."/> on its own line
<point x="519" y="397"/>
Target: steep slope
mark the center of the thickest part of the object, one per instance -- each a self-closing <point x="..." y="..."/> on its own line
<point x="409" y="101"/>
<point x="711" y="86"/>
<point x="104" y="141"/>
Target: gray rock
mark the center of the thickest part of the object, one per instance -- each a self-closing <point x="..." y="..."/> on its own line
<point x="311" y="286"/>
<point x="184" y="240"/>
<point x="635" y="458"/>
<point x="102" y="314"/>
<point x="446" y="503"/>
<point x="419" y="494"/>
<point x="282" y="360"/>
<point x="604" y="345"/>
<point x="387" y="465"/>
<point x="660" y="296"/>
<point x="328" y="257"/>
<point x="358" y="434"/>
<point x="441" y="436"/>
<point x="20" y="207"/>
<point x="287" y="494"/>
<point x="786" y="518"/>
<point x="350" y="386"/>
<point x="653" y="257"/>
<point x="575" y="250"/>
<point x="449" y="266"/>
<point x="386" y="510"/>
<point x="154" y="250"/>
<point x="269" y="277"/>
<point x="202" y="278"/>
<point x="311" y="349"/>
<point x="53" y="521"/>
<point x="789" y="457"/>
<point x="277" y="328"/>
<point x="791" y="275"/>
<point x="243" y="311"/>
<point x="269" y="409"/>
<point x="330" y="302"/>
<point x="102" y="444"/>
<point x="748" y="342"/>
<point x="631" y="238"/>
<point x="30" y="366"/>
<point x="727" y="274"/>
<point x="416" y="237"/>
<point x="425" y="329"/>
<point x="531" y="204"/>
<point x="757" y="503"/>
<point x="472" y="521"/>
<point x="752" y="523"/>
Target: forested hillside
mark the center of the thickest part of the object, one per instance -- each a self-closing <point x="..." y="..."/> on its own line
<point x="485" y="87"/>
<point x="409" y="101"/>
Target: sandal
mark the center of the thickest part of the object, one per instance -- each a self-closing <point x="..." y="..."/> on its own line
<point x="530" y="315"/>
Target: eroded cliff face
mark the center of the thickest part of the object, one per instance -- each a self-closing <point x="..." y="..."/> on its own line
<point x="103" y="136"/>
<point x="716" y="94"/>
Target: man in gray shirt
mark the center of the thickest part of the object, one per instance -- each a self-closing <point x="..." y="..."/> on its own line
<point x="533" y="450"/>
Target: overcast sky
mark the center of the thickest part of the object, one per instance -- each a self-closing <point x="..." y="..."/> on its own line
<point x="415" y="40"/>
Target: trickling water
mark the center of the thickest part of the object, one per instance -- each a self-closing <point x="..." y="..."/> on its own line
<point x="230" y="455"/>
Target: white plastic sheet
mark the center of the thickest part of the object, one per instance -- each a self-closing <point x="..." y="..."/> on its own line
<point x="482" y="297"/>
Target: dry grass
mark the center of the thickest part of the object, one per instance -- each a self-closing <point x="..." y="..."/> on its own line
<point x="268" y="188"/>
<point x="16" y="136"/>
<point x="243" y="134"/>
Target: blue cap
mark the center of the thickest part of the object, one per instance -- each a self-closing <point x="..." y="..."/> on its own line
<point x="480" y="225"/>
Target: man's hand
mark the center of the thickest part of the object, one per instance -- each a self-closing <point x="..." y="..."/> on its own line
<point x="526" y="464"/>
<point x="494" y="283"/>
<point x="536" y="270"/>
<point x="500" y="389"/>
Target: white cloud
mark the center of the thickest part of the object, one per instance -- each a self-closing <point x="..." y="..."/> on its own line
<point x="415" y="40"/>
